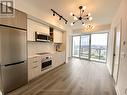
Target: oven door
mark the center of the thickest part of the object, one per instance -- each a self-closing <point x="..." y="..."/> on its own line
<point x="46" y="64"/>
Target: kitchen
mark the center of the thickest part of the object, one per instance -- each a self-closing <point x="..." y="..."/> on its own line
<point x="51" y="47"/>
<point x="29" y="48"/>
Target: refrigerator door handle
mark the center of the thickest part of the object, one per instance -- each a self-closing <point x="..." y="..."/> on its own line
<point x="14" y="63"/>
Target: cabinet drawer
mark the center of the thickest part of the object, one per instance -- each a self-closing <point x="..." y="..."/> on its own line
<point x="35" y="61"/>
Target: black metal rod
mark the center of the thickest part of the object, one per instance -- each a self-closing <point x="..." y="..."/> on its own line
<point x="59" y="15"/>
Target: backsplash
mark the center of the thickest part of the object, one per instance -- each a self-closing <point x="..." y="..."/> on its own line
<point x="37" y="47"/>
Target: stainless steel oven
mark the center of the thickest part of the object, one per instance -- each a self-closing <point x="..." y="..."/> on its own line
<point x="46" y="62"/>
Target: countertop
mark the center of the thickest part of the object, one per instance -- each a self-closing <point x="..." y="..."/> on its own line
<point x="43" y="53"/>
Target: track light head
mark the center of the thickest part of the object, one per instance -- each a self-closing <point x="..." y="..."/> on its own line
<point x="53" y="14"/>
<point x="66" y="22"/>
<point x="83" y="23"/>
<point x="60" y="18"/>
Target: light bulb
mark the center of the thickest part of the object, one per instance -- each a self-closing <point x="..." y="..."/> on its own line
<point x="89" y="14"/>
<point x="72" y="24"/>
<point x="84" y="7"/>
<point x="71" y="14"/>
<point x="83" y="24"/>
<point x="75" y="18"/>
<point x="90" y="18"/>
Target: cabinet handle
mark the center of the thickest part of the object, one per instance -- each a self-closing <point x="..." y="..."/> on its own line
<point x="35" y="61"/>
<point x="35" y="67"/>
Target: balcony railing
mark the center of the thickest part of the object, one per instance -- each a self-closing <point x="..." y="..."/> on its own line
<point x="97" y="54"/>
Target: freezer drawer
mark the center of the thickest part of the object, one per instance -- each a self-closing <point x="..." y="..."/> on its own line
<point x="14" y="76"/>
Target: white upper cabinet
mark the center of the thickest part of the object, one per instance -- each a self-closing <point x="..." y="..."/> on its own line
<point x="33" y="26"/>
<point x="57" y="36"/>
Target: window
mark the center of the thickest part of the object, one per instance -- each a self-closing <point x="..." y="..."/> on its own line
<point x="91" y="47"/>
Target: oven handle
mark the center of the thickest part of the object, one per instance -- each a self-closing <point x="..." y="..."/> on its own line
<point x="46" y="60"/>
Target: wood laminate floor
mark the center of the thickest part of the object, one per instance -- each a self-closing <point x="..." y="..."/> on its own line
<point x="78" y="77"/>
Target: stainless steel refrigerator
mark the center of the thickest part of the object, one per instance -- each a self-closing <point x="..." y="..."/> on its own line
<point x="13" y="58"/>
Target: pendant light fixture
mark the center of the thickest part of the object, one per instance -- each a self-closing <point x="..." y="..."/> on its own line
<point x="83" y="17"/>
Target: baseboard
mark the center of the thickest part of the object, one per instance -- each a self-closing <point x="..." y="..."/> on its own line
<point x="109" y="69"/>
<point x="116" y="88"/>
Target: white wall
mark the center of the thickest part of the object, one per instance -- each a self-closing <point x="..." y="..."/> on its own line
<point x="31" y="9"/>
<point x="122" y="77"/>
<point x="97" y="29"/>
<point x="38" y="47"/>
<point x="68" y="43"/>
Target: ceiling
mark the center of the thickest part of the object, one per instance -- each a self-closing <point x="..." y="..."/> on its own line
<point x="102" y="11"/>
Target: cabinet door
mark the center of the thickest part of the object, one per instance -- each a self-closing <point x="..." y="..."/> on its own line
<point x="58" y="58"/>
<point x="54" y="60"/>
<point x="57" y="36"/>
<point x="34" y="72"/>
<point x="30" y="30"/>
<point x="19" y="20"/>
<point x="62" y="56"/>
<point x="37" y="71"/>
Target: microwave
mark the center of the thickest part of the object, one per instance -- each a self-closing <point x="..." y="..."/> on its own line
<point x="39" y="37"/>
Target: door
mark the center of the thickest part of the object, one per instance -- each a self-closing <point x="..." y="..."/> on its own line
<point x="14" y="76"/>
<point x="85" y="47"/>
<point x="91" y="47"/>
<point x="76" y="46"/>
<point x="116" y="57"/>
<point x="99" y="47"/>
<point x="13" y="57"/>
<point x="13" y="45"/>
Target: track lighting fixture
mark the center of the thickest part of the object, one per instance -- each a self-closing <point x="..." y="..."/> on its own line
<point x="60" y="17"/>
<point x="66" y="22"/>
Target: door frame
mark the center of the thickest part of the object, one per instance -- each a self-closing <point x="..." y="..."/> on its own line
<point x="119" y="24"/>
